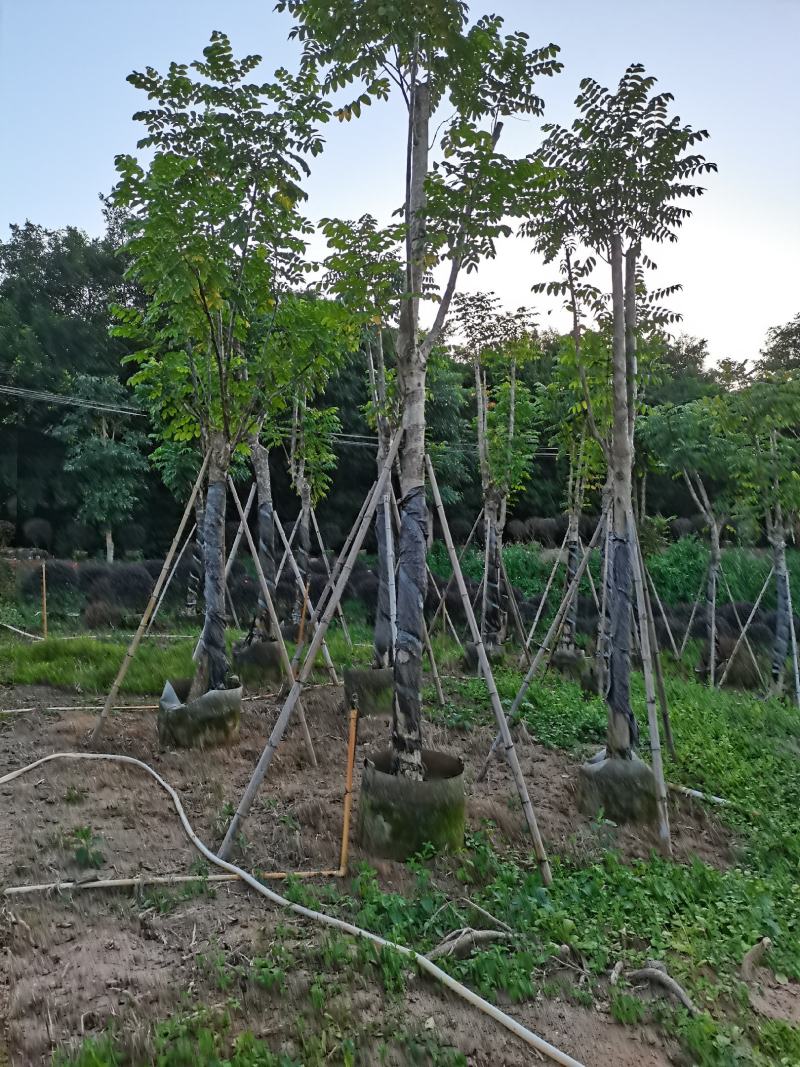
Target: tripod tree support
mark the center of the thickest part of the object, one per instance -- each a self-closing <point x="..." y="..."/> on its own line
<point x="356" y="540"/>
<point x="746" y="626"/>
<point x="742" y="631"/>
<point x="442" y="605"/>
<point x="695" y="606"/>
<point x="273" y="617"/>
<point x="512" y="600"/>
<point x="339" y="611"/>
<point x="662" y="612"/>
<point x="486" y="668"/>
<point x="656" y="654"/>
<point x="543" y="601"/>
<point x="552" y="633"/>
<point x="111" y="699"/>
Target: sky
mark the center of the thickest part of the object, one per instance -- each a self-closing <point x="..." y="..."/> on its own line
<point x="65" y="112"/>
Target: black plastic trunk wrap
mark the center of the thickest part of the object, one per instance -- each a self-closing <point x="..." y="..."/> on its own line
<point x="411" y="588"/>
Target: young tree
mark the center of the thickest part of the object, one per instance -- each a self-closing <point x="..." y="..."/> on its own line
<point x="498" y="344"/>
<point x="699" y="443"/>
<point x="453" y="213"/>
<point x="618" y="176"/>
<point x="105" y="452"/>
<point x="216" y="240"/>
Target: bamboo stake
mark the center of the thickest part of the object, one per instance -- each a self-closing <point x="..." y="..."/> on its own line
<point x="518" y="624"/>
<point x="747" y="644"/>
<point x="555" y="628"/>
<point x="44" y="600"/>
<point x="170" y="576"/>
<point x="292" y="699"/>
<point x="691" y="617"/>
<point x="303" y="611"/>
<point x="273" y="616"/>
<point x="232" y="608"/>
<point x="348" y="790"/>
<point x="543" y="601"/>
<point x="23" y="633"/>
<point x="486" y="667"/>
<point x="663" y="614"/>
<point x="390" y="564"/>
<point x="592" y="586"/>
<point x="712" y="645"/>
<point x="656" y="654"/>
<point x="339" y="610"/>
<point x="451" y="579"/>
<point x="746" y="626"/>
<point x="793" y="634"/>
<point x="285" y="556"/>
<point x="167" y="879"/>
<point x="137" y="637"/>
<point x="313" y="626"/>
<point x="602" y="667"/>
<point x="650" y="696"/>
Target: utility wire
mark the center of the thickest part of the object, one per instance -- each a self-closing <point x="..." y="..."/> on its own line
<point x="43" y="396"/>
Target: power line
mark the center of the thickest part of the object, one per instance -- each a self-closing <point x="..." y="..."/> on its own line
<point x="45" y="397"/>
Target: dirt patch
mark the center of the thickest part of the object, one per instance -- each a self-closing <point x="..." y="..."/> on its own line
<point x="73" y="962"/>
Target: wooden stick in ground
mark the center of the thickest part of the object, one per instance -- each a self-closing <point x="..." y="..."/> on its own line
<point x="164" y="879"/>
<point x="273" y="617"/>
<point x="301" y="629"/>
<point x="746" y="626"/>
<point x="691" y="617"/>
<point x="176" y="563"/>
<point x="656" y="654"/>
<point x="663" y="613"/>
<point x="486" y="668"/>
<point x="285" y="556"/>
<point x="330" y="585"/>
<point x="148" y="611"/>
<point x="339" y="611"/>
<point x="304" y="590"/>
<point x="512" y="599"/>
<point x="650" y="696"/>
<point x="442" y="600"/>
<point x="742" y="630"/>
<point x="548" y="640"/>
<point x="543" y="601"/>
<point x="44" y="600"/>
<point x="426" y="632"/>
<point x="292" y="699"/>
<point x="348" y="790"/>
<point x="590" y="579"/>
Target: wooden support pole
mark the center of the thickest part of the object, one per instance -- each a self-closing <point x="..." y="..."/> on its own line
<point x="550" y="636"/>
<point x="746" y="626"/>
<point x="486" y="668"/>
<point x="662" y="612"/>
<point x="543" y="601"/>
<point x="742" y="631"/>
<point x="285" y="556"/>
<point x="273" y="617"/>
<point x="170" y="576"/>
<point x="148" y="611"/>
<point x="339" y="610"/>
<point x="278" y="730"/>
<point x="348" y="790"/>
<point x="240" y="532"/>
<point x="442" y="605"/>
<point x="512" y="599"/>
<point x="44" y="600"/>
<point x="334" y="677"/>
<point x="650" y="695"/>
<point x="691" y="617"/>
<point x="655" y="651"/>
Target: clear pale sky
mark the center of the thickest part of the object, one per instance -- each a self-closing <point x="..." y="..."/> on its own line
<point x="65" y="111"/>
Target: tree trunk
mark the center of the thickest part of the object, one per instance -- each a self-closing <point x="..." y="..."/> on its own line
<point x="262" y="629"/>
<point x="567" y="641"/>
<point x="212" y="663"/>
<point x="411" y="370"/>
<point x="492" y="626"/>
<point x="109" y="546"/>
<point x="303" y="550"/>
<point x="623" y="732"/>
<point x="198" y="554"/>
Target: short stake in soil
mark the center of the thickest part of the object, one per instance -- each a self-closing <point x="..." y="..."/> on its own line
<point x="151" y="604"/>
<point x="308" y="663"/>
<point x="486" y="668"/>
<point x="550" y="636"/>
<point x="285" y="661"/>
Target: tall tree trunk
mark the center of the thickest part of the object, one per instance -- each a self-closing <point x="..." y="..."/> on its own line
<point x="303" y="549"/>
<point x="411" y="370"/>
<point x="623" y="732"/>
<point x="198" y="553"/>
<point x="109" y="537"/>
<point x="492" y="624"/>
<point x="262" y="629"/>
<point x="212" y="664"/>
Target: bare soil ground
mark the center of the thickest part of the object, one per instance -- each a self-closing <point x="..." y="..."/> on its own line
<point x="73" y="961"/>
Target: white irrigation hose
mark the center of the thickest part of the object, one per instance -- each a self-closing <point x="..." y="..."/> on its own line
<point x="535" y="1042"/>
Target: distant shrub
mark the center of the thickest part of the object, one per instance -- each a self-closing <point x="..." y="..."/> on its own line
<point x="7" y="532"/>
<point x="90" y="572"/>
<point x="75" y="537"/>
<point x="132" y="537"/>
<point x="8" y="584"/>
<point x="100" y="615"/>
<point x="61" y="578"/>
<point x="131" y="584"/>
<point x="38" y="533"/>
